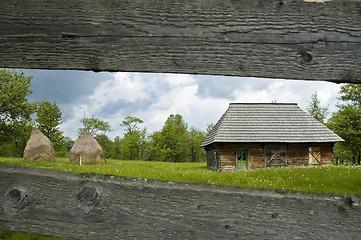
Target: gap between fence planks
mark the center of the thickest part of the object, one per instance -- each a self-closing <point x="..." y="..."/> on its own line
<point x="96" y="206"/>
<point x="290" y="39"/>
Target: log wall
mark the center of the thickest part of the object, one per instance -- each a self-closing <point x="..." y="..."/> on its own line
<point x="228" y="155"/>
<point x="296" y="154"/>
<point x="256" y="156"/>
<point x="213" y="156"/>
<point x="327" y="153"/>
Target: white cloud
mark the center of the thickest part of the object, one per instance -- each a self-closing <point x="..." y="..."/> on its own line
<point x="153" y="97"/>
<point x="173" y="91"/>
<point x="71" y="125"/>
<point x="183" y="100"/>
<point x="178" y="80"/>
<point x="290" y="91"/>
<point x="125" y="86"/>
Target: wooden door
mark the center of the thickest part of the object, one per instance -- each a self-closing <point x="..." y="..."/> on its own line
<point x="242" y="159"/>
<point x="314" y="154"/>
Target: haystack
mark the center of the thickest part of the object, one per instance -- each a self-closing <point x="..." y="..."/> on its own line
<point x="39" y="148"/>
<point x="86" y="150"/>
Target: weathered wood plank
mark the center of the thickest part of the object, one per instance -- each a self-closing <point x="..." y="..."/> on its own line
<point x="91" y="206"/>
<point x="292" y="39"/>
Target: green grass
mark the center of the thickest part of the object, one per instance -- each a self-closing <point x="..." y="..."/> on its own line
<point x="23" y="236"/>
<point x="330" y="179"/>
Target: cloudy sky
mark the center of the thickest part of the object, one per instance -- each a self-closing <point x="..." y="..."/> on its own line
<point x="153" y="97"/>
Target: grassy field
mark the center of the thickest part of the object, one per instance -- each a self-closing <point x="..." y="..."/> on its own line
<point x="23" y="236"/>
<point x="331" y="179"/>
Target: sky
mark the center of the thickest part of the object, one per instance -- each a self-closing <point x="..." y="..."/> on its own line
<point x="153" y="97"/>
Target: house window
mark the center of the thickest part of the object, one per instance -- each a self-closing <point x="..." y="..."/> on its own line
<point x="275" y="156"/>
<point x="314" y="155"/>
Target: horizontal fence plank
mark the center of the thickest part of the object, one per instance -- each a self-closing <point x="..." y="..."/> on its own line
<point x="94" y="206"/>
<point x="290" y="39"/>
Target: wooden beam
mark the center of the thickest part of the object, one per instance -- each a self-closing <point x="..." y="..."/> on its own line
<point x="94" y="206"/>
<point x="292" y="39"/>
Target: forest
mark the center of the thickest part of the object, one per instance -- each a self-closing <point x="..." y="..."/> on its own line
<point x="174" y="142"/>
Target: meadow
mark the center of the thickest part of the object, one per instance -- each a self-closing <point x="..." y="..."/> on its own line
<point x="329" y="179"/>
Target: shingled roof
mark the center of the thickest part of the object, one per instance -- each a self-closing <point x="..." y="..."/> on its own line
<point x="269" y="122"/>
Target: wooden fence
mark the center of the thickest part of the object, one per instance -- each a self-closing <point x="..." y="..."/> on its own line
<point x="292" y="39"/>
<point x="94" y="206"/>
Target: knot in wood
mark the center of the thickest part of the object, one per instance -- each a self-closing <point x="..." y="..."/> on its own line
<point x="88" y="195"/>
<point x="306" y="56"/>
<point x="15" y="195"/>
<point x="348" y="201"/>
<point x="16" y="200"/>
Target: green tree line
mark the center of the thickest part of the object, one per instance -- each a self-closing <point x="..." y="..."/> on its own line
<point x="175" y="142"/>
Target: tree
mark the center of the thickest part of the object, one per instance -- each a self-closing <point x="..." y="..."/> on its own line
<point x="116" y="148"/>
<point x="131" y="124"/>
<point x="14" y="90"/>
<point x="133" y="144"/>
<point x="15" y="112"/>
<point x="106" y="145"/>
<point x="209" y="128"/>
<point x="14" y="142"/>
<point x="351" y="93"/>
<point x="153" y="146"/>
<point x="173" y="141"/>
<point x="196" y="137"/>
<point x="68" y="143"/>
<point x="346" y="122"/>
<point x="48" y="121"/>
<point x="94" y="125"/>
<point x="315" y="110"/>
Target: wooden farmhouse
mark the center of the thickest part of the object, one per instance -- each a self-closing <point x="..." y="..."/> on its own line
<point x="252" y="135"/>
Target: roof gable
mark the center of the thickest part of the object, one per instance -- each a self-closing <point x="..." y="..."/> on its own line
<point x="268" y="122"/>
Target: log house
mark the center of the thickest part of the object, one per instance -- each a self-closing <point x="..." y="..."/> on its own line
<point x="252" y="135"/>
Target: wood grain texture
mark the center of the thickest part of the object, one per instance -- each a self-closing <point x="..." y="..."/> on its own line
<point x="92" y="206"/>
<point x="290" y="39"/>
